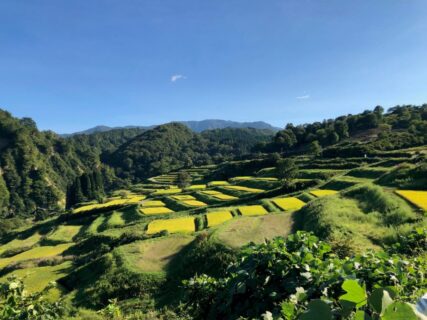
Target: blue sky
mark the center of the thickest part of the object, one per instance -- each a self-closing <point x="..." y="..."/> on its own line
<point x="71" y="65"/>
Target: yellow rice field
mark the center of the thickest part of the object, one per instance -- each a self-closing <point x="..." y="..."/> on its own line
<point x="218" y="183"/>
<point x="222" y="196"/>
<point x="255" y="210"/>
<point x="266" y="179"/>
<point x="322" y="193"/>
<point x="152" y="203"/>
<point x="155" y="210"/>
<point x="184" y="197"/>
<point x="167" y="191"/>
<point x="241" y="178"/>
<point x="418" y="198"/>
<point x="108" y="204"/>
<point x="216" y="218"/>
<point x="288" y="204"/>
<point x="211" y="192"/>
<point x="185" y="224"/>
<point x="196" y="187"/>
<point x="194" y="203"/>
<point x="36" y="253"/>
<point x="246" y="189"/>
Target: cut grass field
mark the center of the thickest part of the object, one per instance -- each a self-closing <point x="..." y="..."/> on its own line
<point x="219" y="217"/>
<point x="36" y="253"/>
<point x="64" y="234"/>
<point x="211" y="192"/>
<point x="417" y="198"/>
<point x="185" y="224"/>
<point x="155" y="210"/>
<point x="254" y="210"/>
<point x="242" y="230"/>
<point x="154" y="255"/>
<point x="323" y="193"/>
<point x="288" y="204"/>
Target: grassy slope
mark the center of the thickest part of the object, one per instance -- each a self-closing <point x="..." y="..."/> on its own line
<point x="242" y="230"/>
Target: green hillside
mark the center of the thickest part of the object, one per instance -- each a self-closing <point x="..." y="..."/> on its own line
<point x="204" y="226"/>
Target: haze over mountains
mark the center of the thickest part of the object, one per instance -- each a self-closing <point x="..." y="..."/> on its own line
<point x="196" y="126"/>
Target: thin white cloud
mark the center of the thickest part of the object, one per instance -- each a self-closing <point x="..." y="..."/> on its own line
<point x="176" y="77"/>
<point x="304" y="97"/>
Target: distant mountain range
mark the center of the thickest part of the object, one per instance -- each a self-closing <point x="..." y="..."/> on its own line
<point x="196" y="126"/>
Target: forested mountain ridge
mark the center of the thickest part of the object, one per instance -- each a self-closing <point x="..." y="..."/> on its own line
<point x="172" y="146"/>
<point x="196" y="126"/>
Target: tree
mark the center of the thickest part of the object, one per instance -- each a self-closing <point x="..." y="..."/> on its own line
<point x="184" y="179"/>
<point x="315" y="148"/>
<point x="286" y="169"/>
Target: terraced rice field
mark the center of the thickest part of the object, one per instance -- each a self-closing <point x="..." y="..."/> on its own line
<point x="194" y="203"/>
<point x="152" y="203"/>
<point x="222" y="196"/>
<point x="155" y="210"/>
<point x="254" y="210"/>
<point x="113" y="203"/>
<point x="245" y="189"/>
<point x="219" y="217"/>
<point x="196" y="187"/>
<point x="167" y="191"/>
<point x="241" y="178"/>
<point x="64" y="233"/>
<point x="21" y="243"/>
<point x="288" y="204"/>
<point x="217" y="183"/>
<point x="418" y="198"/>
<point x="185" y="224"/>
<point x="322" y="193"/>
<point x="38" y="278"/>
<point x="36" y="253"/>
<point x="183" y="197"/>
<point x="211" y="192"/>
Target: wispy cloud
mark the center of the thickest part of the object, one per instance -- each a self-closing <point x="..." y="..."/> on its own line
<point x="176" y="77"/>
<point x="304" y="97"/>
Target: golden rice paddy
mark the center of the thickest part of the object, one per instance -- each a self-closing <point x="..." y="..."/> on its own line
<point x="194" y="203"/>
<point x="288" y="204"/>
<point x="222" y="196"/>
<point x="155" y="210"/>
<point x="113" y="203"/>
<point x="218" y="183"/>
<point x="245" y="189"/>
<point x="418" y="198"/>
<point x="211" y="192"/>
<point x="153" y="203"/>
<point x="185" y="224"/>
<point x="167" y="191"/>
<point x="216" y="218"/>
<point x="183" y="197"/>
<point x="255" y="210"/>
<point x="322" y="193"/>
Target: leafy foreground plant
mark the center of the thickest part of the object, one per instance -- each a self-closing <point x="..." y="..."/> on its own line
<point x="301" y="278"/>
<point x="16" y="303"/>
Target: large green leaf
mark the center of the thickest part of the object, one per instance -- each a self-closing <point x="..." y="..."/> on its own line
<point x="379" y="300"/>
<point x="355" y="293"/>
<point x="317" y="310"/>
<point x="399" y="311"/>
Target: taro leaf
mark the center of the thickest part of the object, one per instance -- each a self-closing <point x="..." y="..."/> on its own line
<point x="399" y="311"/>
<point x="317" y="310"/>
<point x="355" y="293"/>
<point x="361" y="315"/>
<point x="380" y="300"/>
